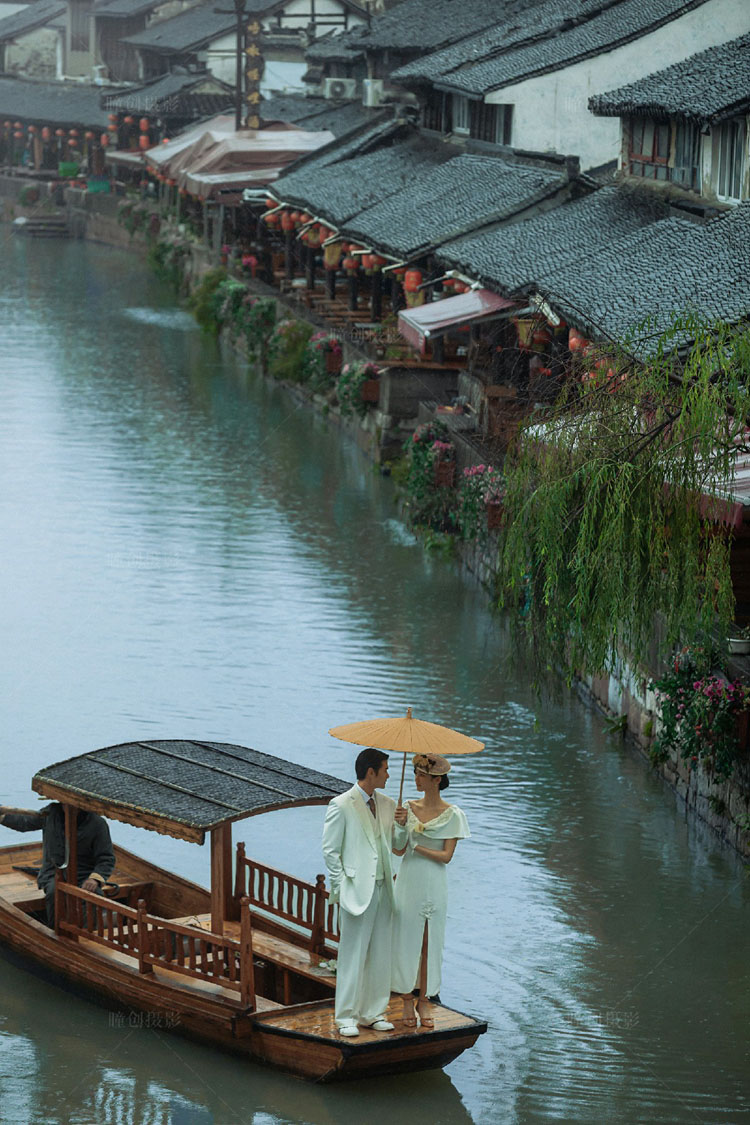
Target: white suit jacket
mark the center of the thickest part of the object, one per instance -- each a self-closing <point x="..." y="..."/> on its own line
<point x="350" y="850"/>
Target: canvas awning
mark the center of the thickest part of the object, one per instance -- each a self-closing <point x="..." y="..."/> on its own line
<point x="215" y="158"/>
<point x="423" y="323"/>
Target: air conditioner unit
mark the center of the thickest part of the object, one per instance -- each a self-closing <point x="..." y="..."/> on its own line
<point x="339" y="88"/>
<point x="373" y="92"/>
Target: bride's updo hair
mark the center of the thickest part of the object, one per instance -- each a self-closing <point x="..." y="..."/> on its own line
<point x="444" y="782"/>
<point x="434" y="765"/>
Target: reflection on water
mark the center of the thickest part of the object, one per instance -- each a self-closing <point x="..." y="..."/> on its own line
<point x="187" y="553"/>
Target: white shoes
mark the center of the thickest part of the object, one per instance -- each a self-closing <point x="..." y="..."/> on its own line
<point x="382" y="1025"/>
<point x="349" y="1029"/>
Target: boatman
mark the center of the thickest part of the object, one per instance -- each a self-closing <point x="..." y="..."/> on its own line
<point x="358" y="836"/>
<point x="96" y="858"/>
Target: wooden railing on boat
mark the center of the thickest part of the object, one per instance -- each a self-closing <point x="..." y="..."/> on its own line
<point x="304" y="905"/>
<point x="159" y="942"/>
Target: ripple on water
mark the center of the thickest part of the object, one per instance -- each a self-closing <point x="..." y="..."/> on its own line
<point x="162" y="318"/>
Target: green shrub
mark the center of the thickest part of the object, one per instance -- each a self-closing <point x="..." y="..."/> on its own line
<point x="256" y="319"/>
<point x="203" y="301"/>
<point x="286" y="349"/>
<point x="428" y="504"/>
<point x="478" y="485"/>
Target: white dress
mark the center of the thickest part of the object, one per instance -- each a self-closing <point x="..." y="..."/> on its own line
<point x="421" y="897"/>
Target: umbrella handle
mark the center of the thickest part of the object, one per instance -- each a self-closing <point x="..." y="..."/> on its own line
<point x="401" y="790"/>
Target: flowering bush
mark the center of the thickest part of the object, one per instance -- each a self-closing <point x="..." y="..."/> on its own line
<point x="349" y="387"/>
<point x="429" y="505"/>
<point x="315" y="362"/>
<point x="479" y="485"/>
<point x="286" y="348"/>
<point x="256" y="318"/>
<point x="699" y="713"/>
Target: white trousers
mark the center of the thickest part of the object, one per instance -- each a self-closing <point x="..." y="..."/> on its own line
<point x="363" y="972"/>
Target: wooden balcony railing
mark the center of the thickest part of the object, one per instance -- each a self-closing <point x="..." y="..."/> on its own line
<point x="284" y="896"/>
<point x="159" y="942"/>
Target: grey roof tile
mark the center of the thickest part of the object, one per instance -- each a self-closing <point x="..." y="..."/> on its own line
<point x="52" y="103"/>
<point x="317" y="113"/>
<point x="559" y="34"/>
<point x="462" y="194"/>
<point x="701" y="88"/>
<point x="517" y="256"/>
<point x="670" y="267"/>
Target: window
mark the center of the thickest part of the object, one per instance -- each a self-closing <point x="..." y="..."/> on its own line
<point x="80" y="22"/>
<point x="687" y="156"/>
<point x="491" y="123"/>
<point x="649" y="148"/>
<point x="436" y="112"/>
<point x="460" y="106"/>
<point x="729" y="156"/>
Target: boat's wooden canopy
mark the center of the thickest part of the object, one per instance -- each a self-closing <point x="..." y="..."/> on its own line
<point x="182" y="787"/>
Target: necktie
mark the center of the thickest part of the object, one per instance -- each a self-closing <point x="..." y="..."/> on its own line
<point x="371" y="805"/>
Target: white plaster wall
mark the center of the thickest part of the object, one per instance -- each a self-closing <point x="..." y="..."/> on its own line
<point x="34" y="55"/>
<point x="551" y="112"/>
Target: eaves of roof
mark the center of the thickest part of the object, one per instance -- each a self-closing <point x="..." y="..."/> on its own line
<point x="35" y="15"/>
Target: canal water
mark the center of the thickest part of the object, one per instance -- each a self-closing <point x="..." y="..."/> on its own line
<point x="188" y="553"/>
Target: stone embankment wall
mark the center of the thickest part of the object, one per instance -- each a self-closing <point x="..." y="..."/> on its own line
<point x="725" y="806"/>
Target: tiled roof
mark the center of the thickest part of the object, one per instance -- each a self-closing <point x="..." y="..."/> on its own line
<point x="316" y="113"/>
<point x="701" y="88"/>
<point x="672" y="266"/>
<point x="341" y="47"/>
<point x="561" y="32"/>
<point x="424" y="25"/>
<point x="513" y="257"/>
<point x="184" y="32"/>
<point x="34" y="15"/>
<point x="123" y="9"/>
<point x="462" y="194"/>
<point x="174" y="95"/>
<point x="52" y="103"/>
<point x="345" y="178"/>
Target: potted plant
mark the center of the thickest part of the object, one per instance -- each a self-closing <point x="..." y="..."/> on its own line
<point x="478" y="493"/>
<point x="357" y="387"/>
<point x="445" y="463"/>
<point x="738" y="640"/>
<point x="322" y="361"/>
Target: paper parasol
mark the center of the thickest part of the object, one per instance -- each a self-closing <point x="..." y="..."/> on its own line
<point x="407" y="736"/>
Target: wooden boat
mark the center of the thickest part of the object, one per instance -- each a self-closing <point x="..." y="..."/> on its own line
<point x="245" y="966"/>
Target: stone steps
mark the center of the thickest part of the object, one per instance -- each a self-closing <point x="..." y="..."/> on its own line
<point x="42" y="226"/>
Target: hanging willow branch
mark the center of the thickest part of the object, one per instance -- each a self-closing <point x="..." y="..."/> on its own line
<point x="616" y="502"/>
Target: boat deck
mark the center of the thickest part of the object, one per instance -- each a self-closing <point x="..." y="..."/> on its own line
<point x="316" y="1021"/>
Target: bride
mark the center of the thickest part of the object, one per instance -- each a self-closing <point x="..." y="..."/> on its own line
<point x="434" y="828"/>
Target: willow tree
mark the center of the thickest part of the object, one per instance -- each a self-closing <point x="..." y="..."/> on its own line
<point x="616" y="501"/>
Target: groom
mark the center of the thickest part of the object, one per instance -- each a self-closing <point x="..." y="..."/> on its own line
<point x="358" y="835"/>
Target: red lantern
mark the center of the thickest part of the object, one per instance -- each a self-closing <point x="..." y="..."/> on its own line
<point x="272" y="220"/>
<point x="412" y="281"/>
<point x="72" y="132"/>
<point x="32" y="129"/>
<point x="368" y="261"/>
<point x="112" y="127"/>
<point x="111" y="116"/>
<point x="59" y="132"/>
<point x="350" y="264"/>
<point x="46" y="133"/>
<point x="325" y="233"/>
<point x="305" y="218"/>
<point x="143" y="142"/>
<point x="6" y="124"/>
<point x="71" y="142"/>
<point x="18" y="135"/>
<point x="104" y="140"/>
<point x="378" y="262"/>
<point x="287" y="222"/>
<point x="295" y="216"/>
<point x="128" y="120"/>
<point x="271" y="203"/>
<point x="143" y="124"/>
<point x="17" y="125"/>
<point x="165" y="140"/>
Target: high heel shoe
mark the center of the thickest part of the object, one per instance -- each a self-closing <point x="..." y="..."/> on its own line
<point x="425" y="1021"/>
<point x="409" y="1021"/>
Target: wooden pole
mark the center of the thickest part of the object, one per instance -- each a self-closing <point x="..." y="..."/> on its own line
<point x="247" y="970"/>
<point x="401" y="788"/>
<point x="221" y="875"/>
<point x="71" y="844"/>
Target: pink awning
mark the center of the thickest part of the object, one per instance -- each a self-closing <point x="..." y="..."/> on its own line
<point x="420" y="324"/>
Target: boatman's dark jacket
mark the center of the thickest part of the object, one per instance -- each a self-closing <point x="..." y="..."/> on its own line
<point x="96" y="859"/>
